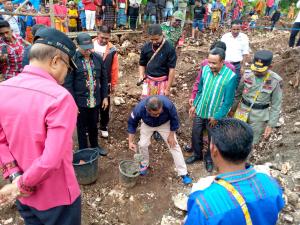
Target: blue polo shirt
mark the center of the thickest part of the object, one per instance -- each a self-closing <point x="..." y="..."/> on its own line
<point x="169" y="113"/>
<point x="215" y="205"/>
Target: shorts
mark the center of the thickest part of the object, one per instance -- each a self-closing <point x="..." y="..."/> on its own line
<point x="198" y="24"/>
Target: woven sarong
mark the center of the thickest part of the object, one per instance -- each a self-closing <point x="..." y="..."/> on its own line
<point x="109" y="16"/>
<point x="154" y="86"/>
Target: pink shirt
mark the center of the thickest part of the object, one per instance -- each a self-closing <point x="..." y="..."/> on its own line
<point x="44" y="20"/>
<point x="37" y="120"/>
<point x="60" y="11"/>
<point x="196" y="84"/>
<point x="270" y="3"/>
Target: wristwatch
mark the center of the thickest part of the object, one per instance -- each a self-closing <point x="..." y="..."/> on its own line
<point x="14" y="176"/>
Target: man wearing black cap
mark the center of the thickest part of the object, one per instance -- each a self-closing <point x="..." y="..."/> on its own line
<point x="259" y="96"/>
<point x="157" y="63"/>
<point x="88" y="84"/>
<point x="36" y="129"/>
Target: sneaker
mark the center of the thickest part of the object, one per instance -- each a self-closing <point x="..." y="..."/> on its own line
<point x="186" y="179"/>
<point x="143" y="170"/>
<point x="104" y="133"/>
<point x="188" y="148"/>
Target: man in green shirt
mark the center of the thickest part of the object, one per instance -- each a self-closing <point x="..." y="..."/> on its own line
<point x="213" y="101"/>
<point x="172" y="30"/>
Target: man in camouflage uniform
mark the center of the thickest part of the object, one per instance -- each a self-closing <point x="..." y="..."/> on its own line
<point x="172" y="30"/>
<point x="260" y="81"/>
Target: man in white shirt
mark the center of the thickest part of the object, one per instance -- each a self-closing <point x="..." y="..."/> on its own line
<point x="295" y="29"/>
<point x="12" y="20"/>
<point x="237" y="47"/>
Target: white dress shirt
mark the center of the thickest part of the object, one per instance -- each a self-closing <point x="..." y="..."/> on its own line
<point x="298" y="17"/>
<point x="237" y="47"/>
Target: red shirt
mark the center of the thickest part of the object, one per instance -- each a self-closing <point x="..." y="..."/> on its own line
<point x="44" y="20"/>
<point x="60" y="11"/>
<point x="13" y="64"/>
<point x="90" y="4"/>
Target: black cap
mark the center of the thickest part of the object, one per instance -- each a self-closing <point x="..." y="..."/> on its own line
<point x="262" y="60"/>
<point x="56" y="39"/>
<point x="84" y="41"/>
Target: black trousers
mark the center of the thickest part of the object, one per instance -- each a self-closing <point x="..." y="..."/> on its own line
<point x="133" y="14"/>
<point x="104" y="116"/>
<point x="87" y="123"/>
<point x="295" y="31"/>
<point x="199" y="125"/>
<point x="60" y="215"/>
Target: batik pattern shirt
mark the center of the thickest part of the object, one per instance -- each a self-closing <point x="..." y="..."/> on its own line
<point x="90" y="82"/>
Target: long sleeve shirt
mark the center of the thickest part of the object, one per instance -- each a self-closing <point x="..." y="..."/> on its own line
<point x="215" y="93"/>
<point x="169" y="113"/>
<point x="205" y="63"/>
<point x="36" y="128"/>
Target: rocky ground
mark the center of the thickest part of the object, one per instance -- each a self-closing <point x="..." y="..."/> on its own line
<point x="150" y="202"/>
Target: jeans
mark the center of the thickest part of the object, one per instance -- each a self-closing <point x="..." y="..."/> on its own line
<point x="268" y="11"/>
<point x="168" y="12"/>
<point x="199" y="125"/>
<point x="87" y="122"/>
<point x="208" y="21"/>
<point x="294" y="32"/>
<point x="198" y="24"/>
<point x="65" y="214"/>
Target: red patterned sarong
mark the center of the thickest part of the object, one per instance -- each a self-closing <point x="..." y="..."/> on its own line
<point x="154" y="86"/>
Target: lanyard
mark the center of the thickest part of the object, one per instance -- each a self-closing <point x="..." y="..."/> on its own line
<point x="238" y="197"/>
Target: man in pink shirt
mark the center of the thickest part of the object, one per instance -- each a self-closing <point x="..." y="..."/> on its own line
<point x="36" y="127"/>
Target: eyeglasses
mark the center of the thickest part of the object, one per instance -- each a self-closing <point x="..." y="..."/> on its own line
<point x="66" y="63"/>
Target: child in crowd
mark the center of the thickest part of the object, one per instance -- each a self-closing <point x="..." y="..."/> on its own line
<point x="199" y="13"/>
<point x="73" y="15"/>
<point x="253" y="20"/>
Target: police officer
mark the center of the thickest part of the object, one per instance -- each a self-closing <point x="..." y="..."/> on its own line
<point x="260" y="96"/>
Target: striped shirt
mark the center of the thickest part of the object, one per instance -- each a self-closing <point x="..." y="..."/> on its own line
<point x="215" y="93"/>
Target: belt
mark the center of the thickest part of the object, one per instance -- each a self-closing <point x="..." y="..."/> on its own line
<point x="235" y="63"/>
<point x="255" y="105"/>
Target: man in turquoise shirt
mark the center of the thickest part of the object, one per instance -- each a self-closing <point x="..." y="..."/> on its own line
<point x="238" y="195"/>
<point x="213" y="101"/>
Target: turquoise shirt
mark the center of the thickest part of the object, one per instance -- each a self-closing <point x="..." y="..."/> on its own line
<point x="215" y="205"/>
<point x="215" y="93"/>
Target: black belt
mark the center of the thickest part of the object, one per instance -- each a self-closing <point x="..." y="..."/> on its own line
<point x="255" y="105"/>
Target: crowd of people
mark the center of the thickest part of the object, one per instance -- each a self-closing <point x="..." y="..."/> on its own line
<point x="54" y="86"/>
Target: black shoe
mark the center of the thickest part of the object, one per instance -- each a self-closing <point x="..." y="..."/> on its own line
<point x="102" y="151"/>
<point x="187" y="148"/>
<point x="192" y="159"/>
<point x="209" y="166"/>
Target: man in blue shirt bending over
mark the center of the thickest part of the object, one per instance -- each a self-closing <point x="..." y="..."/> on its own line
<point x="239" y="194"/>
<point x="158" y="114"/>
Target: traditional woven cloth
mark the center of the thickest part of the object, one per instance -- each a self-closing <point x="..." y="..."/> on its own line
<point x="154" y="86"/>
<point x="109" y="16"/>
